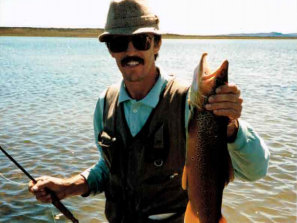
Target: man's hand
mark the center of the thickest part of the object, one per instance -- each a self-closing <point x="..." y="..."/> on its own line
<point x="57" y="185"/>
<point x="227" y="102"/>
<point x="63" y="188"/>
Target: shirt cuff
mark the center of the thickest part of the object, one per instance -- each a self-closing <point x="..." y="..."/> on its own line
<point x="96" y="177"/>
<point x="85" y="175"/>
<point x="241" y="138"/>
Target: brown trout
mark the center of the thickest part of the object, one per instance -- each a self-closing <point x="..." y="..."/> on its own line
<point x="208" y="165"/>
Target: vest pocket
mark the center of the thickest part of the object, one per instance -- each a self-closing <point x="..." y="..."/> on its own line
<point x="108" y="145"/>
<point x="157" y="150"/>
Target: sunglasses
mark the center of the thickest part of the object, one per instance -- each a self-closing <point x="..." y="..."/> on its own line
<point x="117" y="44"/>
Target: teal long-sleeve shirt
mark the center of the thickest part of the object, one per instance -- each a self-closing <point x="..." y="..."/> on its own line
<point x="248" y="152"/>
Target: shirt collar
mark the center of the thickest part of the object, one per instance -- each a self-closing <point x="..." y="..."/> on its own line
<point x="152" y="98"/>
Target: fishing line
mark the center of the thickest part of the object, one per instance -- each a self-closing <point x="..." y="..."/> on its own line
<point x="53" y="215"/>
<point x="24" y="184"/>
<point x="55" y="200"/>
<point x="14" y="182"/>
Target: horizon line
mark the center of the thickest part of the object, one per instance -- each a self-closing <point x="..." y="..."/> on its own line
<point x="165" y="33"/>
<point x="95" y="32"/>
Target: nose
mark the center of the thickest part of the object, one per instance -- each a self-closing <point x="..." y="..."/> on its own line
<point x="131" y="49"/>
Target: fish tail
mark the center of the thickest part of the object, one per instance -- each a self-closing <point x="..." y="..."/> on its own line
<point x="223" y="220"/>
<point x="191" y="217"/>
<point x="184" y="179"/>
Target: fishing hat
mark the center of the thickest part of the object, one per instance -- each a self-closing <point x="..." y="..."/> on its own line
<point x="127" y="17"/>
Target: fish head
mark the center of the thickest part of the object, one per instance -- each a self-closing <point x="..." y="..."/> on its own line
<point x="204" y="82"/>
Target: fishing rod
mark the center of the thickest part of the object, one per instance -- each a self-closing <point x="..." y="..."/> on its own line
<point x="55" y="200"/>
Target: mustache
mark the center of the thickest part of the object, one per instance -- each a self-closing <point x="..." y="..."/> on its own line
<point x="127" y="59"/>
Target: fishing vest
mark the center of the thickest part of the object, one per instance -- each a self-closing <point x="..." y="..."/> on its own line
<point x="145" y="170"/>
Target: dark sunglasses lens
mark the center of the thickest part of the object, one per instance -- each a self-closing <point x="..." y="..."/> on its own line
<point x="118" y="44"/>
<point x="142" y="41"/>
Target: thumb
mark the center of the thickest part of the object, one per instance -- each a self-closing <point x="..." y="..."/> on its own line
<point x="42" y="183"/>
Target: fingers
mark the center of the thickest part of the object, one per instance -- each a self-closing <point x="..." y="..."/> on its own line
<point x="40" y="193"/>
<point x="232" y="114"/>
<point x="226" y="102"/>
<point x="224" y="98"/>
<point x="229" y="109"/>
<point x="228" y="88"/>
<point x="41" y="183"/>
<point x="39" y="189"/>
<point x="43" y="196"/>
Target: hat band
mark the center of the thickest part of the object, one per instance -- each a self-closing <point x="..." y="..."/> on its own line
<point x="150" y="20"/>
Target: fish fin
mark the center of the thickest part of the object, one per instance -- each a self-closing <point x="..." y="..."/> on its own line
<point x="223" y="220"/>
<point x="190" y="216"/>
<point x="185" y="179"/>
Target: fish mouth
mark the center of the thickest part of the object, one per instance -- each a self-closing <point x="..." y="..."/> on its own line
<point x="205" y="77"/>
<point x="197" y="92"/>
<point x="204" y="81"/>
<point x="132" y="61"/>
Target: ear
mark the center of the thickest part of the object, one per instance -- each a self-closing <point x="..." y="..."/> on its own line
<point x="158" y="46"/>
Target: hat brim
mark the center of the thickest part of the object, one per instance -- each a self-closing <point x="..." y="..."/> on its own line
<point x="128" y="31"/>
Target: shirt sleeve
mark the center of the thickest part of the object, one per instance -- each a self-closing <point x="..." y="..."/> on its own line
<point x="97" y="175"/>
<point x="249" y="153"/>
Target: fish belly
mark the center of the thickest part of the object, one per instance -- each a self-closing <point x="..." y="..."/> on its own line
<point x="207" y="165"/>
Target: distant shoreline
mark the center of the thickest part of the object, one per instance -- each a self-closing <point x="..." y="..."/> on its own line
<point x="93" y="33"/>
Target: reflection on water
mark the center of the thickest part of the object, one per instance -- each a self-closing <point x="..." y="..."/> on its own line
<point x="49" y="88"/>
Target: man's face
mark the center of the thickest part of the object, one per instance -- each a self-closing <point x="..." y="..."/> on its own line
<point x="135" y="58"/>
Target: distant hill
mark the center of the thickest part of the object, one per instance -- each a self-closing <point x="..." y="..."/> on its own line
<point x="49" y="32"/>
<point x="91" y="32"/>
<point x="271" y="34"/>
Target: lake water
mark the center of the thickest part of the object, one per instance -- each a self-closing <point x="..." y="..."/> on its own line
<point x="49" y="88"/>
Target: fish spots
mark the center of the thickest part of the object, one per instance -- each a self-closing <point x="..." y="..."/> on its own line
<point x="206" y="149"/>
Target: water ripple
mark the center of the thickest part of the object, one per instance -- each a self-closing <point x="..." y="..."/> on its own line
<point x="48" y="94"/>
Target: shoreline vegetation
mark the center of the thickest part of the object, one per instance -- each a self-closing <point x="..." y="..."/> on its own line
<point x="93" y="33"/>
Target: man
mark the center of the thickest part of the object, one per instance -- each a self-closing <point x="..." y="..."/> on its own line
<point x="140" y="129"/>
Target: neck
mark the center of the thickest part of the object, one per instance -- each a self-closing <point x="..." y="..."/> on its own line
<point x="139" y="89"/>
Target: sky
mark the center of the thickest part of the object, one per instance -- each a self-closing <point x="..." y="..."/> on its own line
<point x="176" y="16"/>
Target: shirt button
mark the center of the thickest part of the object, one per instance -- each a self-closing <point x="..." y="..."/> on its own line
<point x="134" y="110"/>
